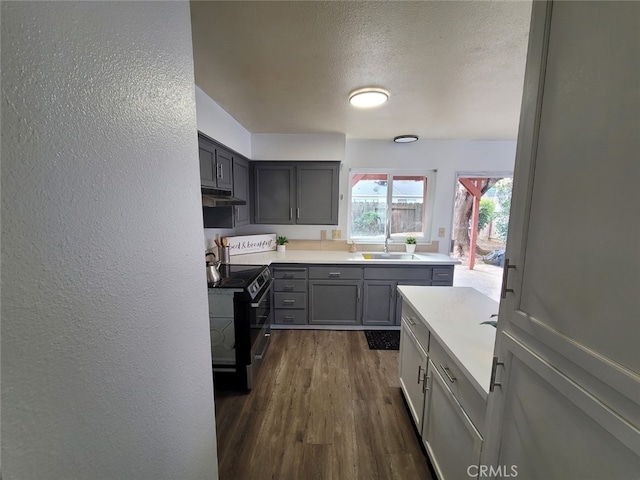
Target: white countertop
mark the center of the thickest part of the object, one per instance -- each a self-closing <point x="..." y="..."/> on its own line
<point x="453" y="315"/>
<point x="330" y="256"/>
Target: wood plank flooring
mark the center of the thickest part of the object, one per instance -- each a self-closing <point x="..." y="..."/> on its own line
<point x="325" y="407"/>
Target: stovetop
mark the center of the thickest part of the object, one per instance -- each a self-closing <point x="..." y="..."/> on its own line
<point x="246" y="277"/>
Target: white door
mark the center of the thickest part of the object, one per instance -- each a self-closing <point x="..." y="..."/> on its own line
<point x="568" y="340"/>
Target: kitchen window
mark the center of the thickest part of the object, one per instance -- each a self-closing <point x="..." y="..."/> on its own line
<point x="393" y="203"/>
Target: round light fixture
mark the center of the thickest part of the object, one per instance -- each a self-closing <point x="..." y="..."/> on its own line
<point x="368" y="97"/>
<point x="406" y="138"/>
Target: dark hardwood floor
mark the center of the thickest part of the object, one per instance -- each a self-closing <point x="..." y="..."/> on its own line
<point x="325" y="407"/>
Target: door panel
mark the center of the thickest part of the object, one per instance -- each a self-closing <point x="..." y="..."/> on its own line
<point x="317" y="200"/>
<point x="568" y="379"/>
<point x="540" y="397"/>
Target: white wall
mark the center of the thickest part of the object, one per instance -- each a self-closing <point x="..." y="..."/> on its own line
<point x="105" y="338"/>
<point x="447" y="157"/>
<point x="215" y="122"/>
<point x="329" y="146"/>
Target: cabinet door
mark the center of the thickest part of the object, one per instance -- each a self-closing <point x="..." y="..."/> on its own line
<point x="207" y="161"/>
<point x="317" y="195"/>
<point x="241" y="190"/>
<point x="453" y="443"/>
<point x="379" y="303"/>
<point x="567" y="337"/>
<point x="274" y="197"/>
<point x="413" y="372"/>
<point x="334" y="302"/>
<point x="223" y="172"/>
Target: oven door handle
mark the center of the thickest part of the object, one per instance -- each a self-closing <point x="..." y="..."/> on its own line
<point x="266" y="292"/>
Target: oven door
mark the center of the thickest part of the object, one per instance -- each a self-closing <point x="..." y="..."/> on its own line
<point x="260" y="316"/>
<point x="260" y="331"/>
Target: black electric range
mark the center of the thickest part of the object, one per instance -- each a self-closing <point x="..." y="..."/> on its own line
<point x="250" y="278"/>
<point x="240" y="320"/>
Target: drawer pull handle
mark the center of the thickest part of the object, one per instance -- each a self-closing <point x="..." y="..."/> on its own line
<point x="420" y="377"/>
<point x="334" y="274"/>
<point x="442" y="274"/>
<point x="411" y="321"/>
<point x="287" y="275"/>
<point x="288" y="288"/>
<point x="447" y="372"/>
<point x="288" y="302"/>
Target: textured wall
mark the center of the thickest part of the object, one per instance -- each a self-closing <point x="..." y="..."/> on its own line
<point x="105" y="346"/>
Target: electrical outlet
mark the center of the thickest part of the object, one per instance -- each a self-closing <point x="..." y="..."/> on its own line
<point x="441" y="232"/>
<point x="323" y="234"/>
<point x="336" y="234"/>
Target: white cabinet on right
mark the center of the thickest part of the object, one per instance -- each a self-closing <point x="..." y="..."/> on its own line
<point x="445" y="369"/>
<point x="447" y="431"/>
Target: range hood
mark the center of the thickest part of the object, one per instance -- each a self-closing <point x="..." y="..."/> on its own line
<point x="212" y="197"/>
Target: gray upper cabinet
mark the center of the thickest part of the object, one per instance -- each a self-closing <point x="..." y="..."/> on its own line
<point x="241" y="190"/>
<point x="215" y="165"/>
<point x="207" y="162"/>
<point x="317" y="194"/>
<point x="274" y="193"/>
<point x="302" y="193"/>
<point x="227" y="173"/>
<point x="224" y="165"/>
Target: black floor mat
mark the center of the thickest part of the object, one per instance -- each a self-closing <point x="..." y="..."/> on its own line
<point x="383" y="339"/>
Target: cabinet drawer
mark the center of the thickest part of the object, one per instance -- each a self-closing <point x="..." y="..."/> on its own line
<point x="290" y="273"/>
<point x="470" y="399"/>
<point x="337" y="272"/>
<point x="290" y="300"/>
<point x="421" y="273"/>
<point x="416" y="326"/>
<point x="442" y="274"/>
<point x="293" y="316"/>
<point x="286" y="285"/>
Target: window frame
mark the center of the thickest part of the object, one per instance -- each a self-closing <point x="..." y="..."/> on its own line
<point x="430" y="175"/>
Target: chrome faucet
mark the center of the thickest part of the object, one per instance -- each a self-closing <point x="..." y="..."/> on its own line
<point x="387" y="233"/>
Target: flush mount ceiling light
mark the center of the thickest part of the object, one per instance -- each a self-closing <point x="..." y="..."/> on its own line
<point x="368" y="97"/>
<point x="406" y="138"/>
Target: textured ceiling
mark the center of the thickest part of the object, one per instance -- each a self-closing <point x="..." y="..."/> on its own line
<point x="454" y="69"/>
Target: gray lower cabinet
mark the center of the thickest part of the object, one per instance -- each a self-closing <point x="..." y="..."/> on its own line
<point x="379" y="303"/>
<point x="290" y="295"/>
<point x="302" y="193"/>
<point x="335" y="302"/>
<point x="343" y="294"/>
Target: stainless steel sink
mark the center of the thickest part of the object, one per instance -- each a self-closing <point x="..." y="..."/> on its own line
<point x="389" y="256"/>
